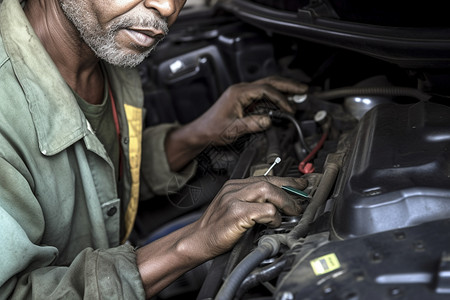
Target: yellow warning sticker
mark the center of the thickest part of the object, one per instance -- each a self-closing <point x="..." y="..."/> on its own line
<point x="325" y="264"/>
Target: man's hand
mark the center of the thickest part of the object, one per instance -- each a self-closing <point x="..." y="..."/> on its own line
<point x="226" y="120"/>
<point x="238" y="206"/>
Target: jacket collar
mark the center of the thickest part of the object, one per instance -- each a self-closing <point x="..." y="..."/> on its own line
<point x="58" y="120"/>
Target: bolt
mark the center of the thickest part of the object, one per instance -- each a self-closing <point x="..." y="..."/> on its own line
<point x="376" y="257"/>
<point x="400" y="235"/>
<point x="419" y="246"/>
<point x="395" y="292"/>
<point x="327" y="289"/>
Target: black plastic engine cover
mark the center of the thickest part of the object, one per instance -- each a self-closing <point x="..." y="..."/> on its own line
<point x="398" y="171"/>
<point x="410" y="263"/>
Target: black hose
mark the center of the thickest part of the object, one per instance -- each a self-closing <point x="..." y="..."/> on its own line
<point x="265" y="273"/>
<point x="213" y="280"/>
<point x="371" y="91"/>
<point x="273" y="145"/>
<point x="267" y="247"/>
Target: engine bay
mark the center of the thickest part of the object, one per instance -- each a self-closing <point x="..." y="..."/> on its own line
<point x="371" y="136"/>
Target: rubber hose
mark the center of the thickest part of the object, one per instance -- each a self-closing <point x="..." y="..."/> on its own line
<point x="264" y="250"/>
<point x="371" y="91"/>
<point x="273" y="145"/>
<point x="266" y="273"/>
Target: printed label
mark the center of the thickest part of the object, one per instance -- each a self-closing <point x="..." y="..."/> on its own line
<point x="325" y="264"/>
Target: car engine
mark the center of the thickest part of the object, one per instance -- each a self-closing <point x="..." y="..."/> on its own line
<point x="371" y="136"/>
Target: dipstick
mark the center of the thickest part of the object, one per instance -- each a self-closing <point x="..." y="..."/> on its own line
<point x="277" y="160"/>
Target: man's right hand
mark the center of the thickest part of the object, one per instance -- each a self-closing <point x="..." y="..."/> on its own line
<point x="238" y="206"/>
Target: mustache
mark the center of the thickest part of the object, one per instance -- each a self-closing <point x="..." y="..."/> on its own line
<point x="148" y="21"/>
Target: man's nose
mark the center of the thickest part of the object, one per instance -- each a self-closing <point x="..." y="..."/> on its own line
<point x="166" y="8"/>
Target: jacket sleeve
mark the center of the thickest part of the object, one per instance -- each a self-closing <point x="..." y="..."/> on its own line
<point x="157" y="178"/>
<point x="28" y="269"/>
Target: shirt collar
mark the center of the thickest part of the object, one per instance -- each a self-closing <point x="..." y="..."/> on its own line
<point x="58" y="120"/>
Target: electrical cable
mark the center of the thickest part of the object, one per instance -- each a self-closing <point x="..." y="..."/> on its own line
<point x="301" y="137"/>
<point x="305" y="167"/>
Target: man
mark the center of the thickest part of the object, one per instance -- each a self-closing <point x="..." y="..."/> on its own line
<point x="70" y="154"/>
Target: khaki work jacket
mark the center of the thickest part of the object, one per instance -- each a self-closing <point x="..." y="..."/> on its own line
<point x="62" y="222"/>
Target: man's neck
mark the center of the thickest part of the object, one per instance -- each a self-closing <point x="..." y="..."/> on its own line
<point x="76" y="62"/>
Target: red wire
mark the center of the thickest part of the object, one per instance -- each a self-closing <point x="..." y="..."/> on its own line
<point x="116" y="123"/>
<point x="305" y="166"/>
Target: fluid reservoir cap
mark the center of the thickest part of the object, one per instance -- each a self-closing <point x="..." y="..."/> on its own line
<point x="298" y="98"/>
<point x="320" y="116"/>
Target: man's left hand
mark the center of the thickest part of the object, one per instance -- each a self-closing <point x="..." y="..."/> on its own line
<point x="226" y="120"/>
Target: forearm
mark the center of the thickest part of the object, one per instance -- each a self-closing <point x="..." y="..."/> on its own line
<point x="164" y="260"/>
<point x="183" y="144"/>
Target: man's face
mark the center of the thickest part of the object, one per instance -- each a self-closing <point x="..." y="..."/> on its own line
<point x="122" y="32"/>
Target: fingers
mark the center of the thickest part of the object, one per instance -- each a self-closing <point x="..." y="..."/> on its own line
<point x="267" y="189"/>
<point x="299" y="183"/>
<point x="284" y="85"/>
<point x="245" y="125"/>
<point x="226" y="120"/>
<point x="262" y="213"/>
<point x="273" y="89"/>
<point x="262" y="92"/>
<point x="242" y="203"/>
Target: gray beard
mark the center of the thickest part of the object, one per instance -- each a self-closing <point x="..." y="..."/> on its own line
<point x="102" y="40"/>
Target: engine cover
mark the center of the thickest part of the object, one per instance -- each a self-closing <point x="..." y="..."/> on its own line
<point x="398" y="171"/>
